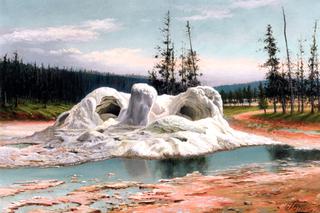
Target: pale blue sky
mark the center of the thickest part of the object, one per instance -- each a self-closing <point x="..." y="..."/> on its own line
<point x="120" y="35"/>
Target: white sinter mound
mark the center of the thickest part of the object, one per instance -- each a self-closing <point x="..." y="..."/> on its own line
<point x="108" y="123"/>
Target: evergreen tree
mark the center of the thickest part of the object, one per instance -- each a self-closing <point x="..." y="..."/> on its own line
<point x="20" y="81"/>
<point x="183" y="70"/>
<point x="301" y="82"/>
<point x="312" y="69"/>
<point x="262" y="99"/>
<point x="272" y="64"/>
<point x="3" y="80"/>
<point x="16" y="74"/>
<point x="249" y="95"/>
<point x="230" y="96"/>
<point x="162" y="75"/>
<point x="223" y="96"/>
<point x="255" y="94"/>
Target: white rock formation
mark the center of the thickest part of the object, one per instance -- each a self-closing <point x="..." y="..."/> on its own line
<point x="108" y="123"/>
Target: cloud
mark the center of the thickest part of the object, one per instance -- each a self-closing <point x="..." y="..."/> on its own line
<point x="251" y="4"/>
<point x="86" y="31"/>
<point x="206" y="14"/>
<point x="223" y="11"/>
<point x="106" y="25"/>
<point x="67" y="51"/>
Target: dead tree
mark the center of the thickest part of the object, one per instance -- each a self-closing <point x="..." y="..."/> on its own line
<point x="288" y="63"/>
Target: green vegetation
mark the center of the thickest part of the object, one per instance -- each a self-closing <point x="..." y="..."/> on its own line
<point x="230" y="111"/>
<point x="33" y="111"/>
<point x="169" y="76"/>
<point x="240" y="96"/>
<point x="263" y="102"/>
<point x="24" y="81"/>
<point x="306" y="117"/>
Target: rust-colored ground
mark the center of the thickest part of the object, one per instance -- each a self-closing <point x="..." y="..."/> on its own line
<point x="21" y="128"/>
<point x="241" y="191"/>
<point x="247" y="122"/>
<point x="246" y="190"/>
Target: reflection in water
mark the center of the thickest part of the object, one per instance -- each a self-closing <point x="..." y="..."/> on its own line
<point x="180" y="167"/>
<point x="148" y="171"/>
<point x="291" y="154"/>
<point x="136" y="168"/>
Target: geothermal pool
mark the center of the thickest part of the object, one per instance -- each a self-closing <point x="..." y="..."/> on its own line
<point x="177" y="132"/>
<point x="271" y="158"/>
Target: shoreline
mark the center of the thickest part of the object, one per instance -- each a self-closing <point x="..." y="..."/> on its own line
<point x="296" y="134"/>
<point x="244" y="189"/>
<point x="238" y="122"/>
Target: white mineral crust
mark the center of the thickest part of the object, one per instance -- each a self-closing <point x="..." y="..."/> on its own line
<point x="108" y="123"/>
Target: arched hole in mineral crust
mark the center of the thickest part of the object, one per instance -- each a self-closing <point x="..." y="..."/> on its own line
<point x="109" y="107"/>
<point x="193" y="113"/>
<point x="62" y="118"/>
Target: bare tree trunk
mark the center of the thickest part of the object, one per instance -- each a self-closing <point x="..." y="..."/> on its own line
<point x="16" y="101"/>
<point x="191" y="49"/>
<point x="313" y="68"/>
<point x="5" y="99"/>
<point x="302" y="103"/>
<point x="318" y="93"/>
<point x="288" y="64"/>
<point x="318" y="83"/>
<point x="283" y="105"/>
<point x="274" y="105"/>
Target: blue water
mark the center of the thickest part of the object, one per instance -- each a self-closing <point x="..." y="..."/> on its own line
<point x="271" y="158"/>
<point x="153" y="170"/>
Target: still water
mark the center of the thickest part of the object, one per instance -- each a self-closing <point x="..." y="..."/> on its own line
<point x="271" y="158"/>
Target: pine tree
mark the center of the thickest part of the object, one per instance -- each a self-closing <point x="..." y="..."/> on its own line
<point x="183" y="70"/>
<point x="16" y="80"/>
<point x="230" y="96"/>
<point x="262" y="100"/>
<point x="161" y="77"/>
<point x="173" y="84"/>
<point x="249" y="95"/>
<point x="312" y="68"/>
<point x="223" y="96"/>
<point x="272" y="64"/>
<point x="255" y="94"/>
<point x="4" y="77"/>
<point x="302" y="81"/>
<point x="317" y="74"/>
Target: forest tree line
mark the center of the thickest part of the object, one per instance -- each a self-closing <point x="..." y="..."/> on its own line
<point x="294" y="82"/>
<point x="241" y="96"/>
<point x="21" y="81"/>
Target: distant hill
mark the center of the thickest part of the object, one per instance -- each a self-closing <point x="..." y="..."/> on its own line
<point x="233" y="87"/>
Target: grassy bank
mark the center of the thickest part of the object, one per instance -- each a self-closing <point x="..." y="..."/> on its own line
<point x="295" y="117"/>
<point x="230" y="111"/>
<point x="33" y="111"/>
